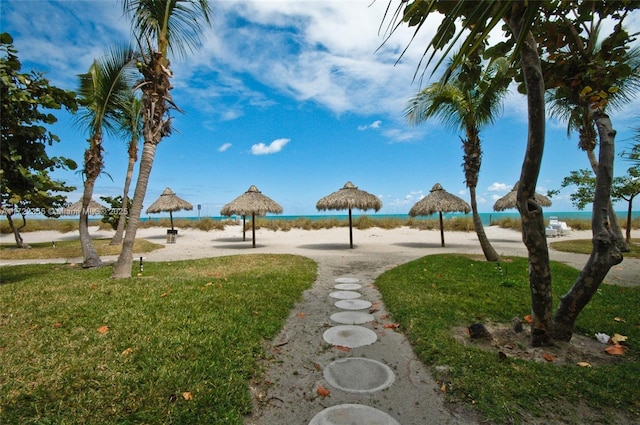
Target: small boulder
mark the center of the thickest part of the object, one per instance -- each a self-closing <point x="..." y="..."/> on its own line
<point x="479" y="331"/>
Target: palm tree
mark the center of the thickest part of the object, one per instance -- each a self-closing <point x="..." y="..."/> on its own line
<point x="130" y="124"/>
<point x="102" y="94"/>
<point x="467" y="104"/>
<point x="162" y="26"/>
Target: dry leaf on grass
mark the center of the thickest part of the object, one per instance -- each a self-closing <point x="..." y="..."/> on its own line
<point x="616" y="350"/>
<point x="103" y="329"/>
<point x="342" y="348"/>
<point x="584" y="364"/>
<point x="548" y="357"/>
<point x="617" y="338"/>
<point x="619" y="319"/>
<point x="391" y="325"/>
<point x="187" y="395"/>
<point x="528" y="318"/>
<point x="127" y="351"/>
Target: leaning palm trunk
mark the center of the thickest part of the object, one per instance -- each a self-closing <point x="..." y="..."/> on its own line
<point x="533" y="227"/>
<point x="92" y="168"/>
<point x="125" y="260"/>
<point x="605" y="253"/>
<point x="122" y="221"/>
<point x="472" y="162"/>
<point x="155" y="99"/>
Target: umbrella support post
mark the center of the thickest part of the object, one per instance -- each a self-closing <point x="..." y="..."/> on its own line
<point x="350" y="230"/>
<point x="441" y="230"/>
<point x="253" y="229"/>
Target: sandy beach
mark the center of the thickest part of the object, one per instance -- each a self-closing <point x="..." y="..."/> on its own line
<point x="387" y="247"/>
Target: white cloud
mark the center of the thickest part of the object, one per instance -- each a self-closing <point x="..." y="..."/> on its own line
<point x="274" y="147"/>
<point x="499" y="187"/>
<point x="374" y="125"/>
<point x="224" y="147"/>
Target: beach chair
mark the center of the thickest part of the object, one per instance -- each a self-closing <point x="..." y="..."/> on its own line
<point x="551" y="232"/>
<point x="555" y="224"/>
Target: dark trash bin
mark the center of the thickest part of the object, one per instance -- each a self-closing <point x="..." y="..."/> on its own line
<point x="172" y="234"/>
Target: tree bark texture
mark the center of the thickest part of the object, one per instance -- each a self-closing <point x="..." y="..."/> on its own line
<point x="125" y="259"/>
<point x="93" y="164"/>
<point x="16" y="233"/>
<point x="122" y="221"/>
<point x="605" y="253"/>
<point x="533" y="227"/>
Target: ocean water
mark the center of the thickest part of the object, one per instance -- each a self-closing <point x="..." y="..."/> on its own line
<point x="487" y="218"/>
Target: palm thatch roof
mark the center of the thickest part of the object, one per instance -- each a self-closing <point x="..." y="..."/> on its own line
<point x="348" y="198"/>
<point x="509" y="200"/>
<point x="252" y="203"/>
<point x="94" y="208"/>
<point x="169" y="202"/>
<point x="439" y="200"/>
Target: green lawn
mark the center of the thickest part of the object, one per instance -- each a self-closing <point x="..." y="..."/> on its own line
<point x="175" y="345"/>
<point x="431" y="296"/>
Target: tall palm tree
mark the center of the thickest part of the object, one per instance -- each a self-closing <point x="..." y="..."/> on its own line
<point x="469" y="100"/>
<point x="102" y="94"/>
<point x="162" y="27"/>
<point x="130" y="123"/>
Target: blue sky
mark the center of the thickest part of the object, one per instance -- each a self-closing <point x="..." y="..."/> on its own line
<point x="295" y="97"/>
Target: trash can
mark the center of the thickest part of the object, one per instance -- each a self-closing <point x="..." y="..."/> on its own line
<point x="172" y="234"/>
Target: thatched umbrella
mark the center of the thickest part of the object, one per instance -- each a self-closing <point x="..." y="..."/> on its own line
<point x="349" y="197"/>
<point x="94" y="208"/>
<point x="509" y="200"/>
<point x="169" y="201"/>
<point x="253" y="203"/>
<point x="439" y="200"/>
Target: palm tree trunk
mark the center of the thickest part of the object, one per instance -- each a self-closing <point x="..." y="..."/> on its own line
<point x="122" y="221"/>
<point x="123" y="266"/>
<point x="533" y="233"/>
<point x="490" y="253"/>
<point x="605" y="253"/>
<point x="92" y="168"/>
<point x="91" y="257"/>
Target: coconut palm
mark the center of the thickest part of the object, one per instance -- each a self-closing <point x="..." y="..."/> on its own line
<point x="162" y="27"/>
<point x="130" y="124"/>
<point x="469" y="100"/>
<point x="102" y="94"/>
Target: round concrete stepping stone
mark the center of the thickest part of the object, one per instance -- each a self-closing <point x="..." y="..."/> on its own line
<point x="353" y="304"/>
<point x="349" y="336"/>
<point x="359" y="375"/>
<point x="349" y="414"/>
<point x="348" y="286"/>
<point x="347" y="280"/>
<point x="345" y="295"/>
<point x="352" y="317"/>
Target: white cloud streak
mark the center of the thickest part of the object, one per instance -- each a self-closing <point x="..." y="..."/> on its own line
<point x="274" y="147"/>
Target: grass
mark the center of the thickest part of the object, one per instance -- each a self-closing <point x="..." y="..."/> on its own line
<point x="431" y="296"/>
<point x="175" y="345"/>
<point x="70" y="249"/>
<point x="584" y="246"/>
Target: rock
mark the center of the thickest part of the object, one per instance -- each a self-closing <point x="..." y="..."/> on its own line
<point x="479" y="331"/>
<point x="516" y="325"/>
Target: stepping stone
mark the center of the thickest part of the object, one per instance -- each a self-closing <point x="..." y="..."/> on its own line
<point x="352" y="317"/>
<point x="345" y="295"/>
<point x="348" y="286"/>
<point x="349" y="414"/>
<point x="347" y="280"/>
<point x="349" y="336"/>
<point x="353" y="304"/>
<point x="359" y="375"/>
